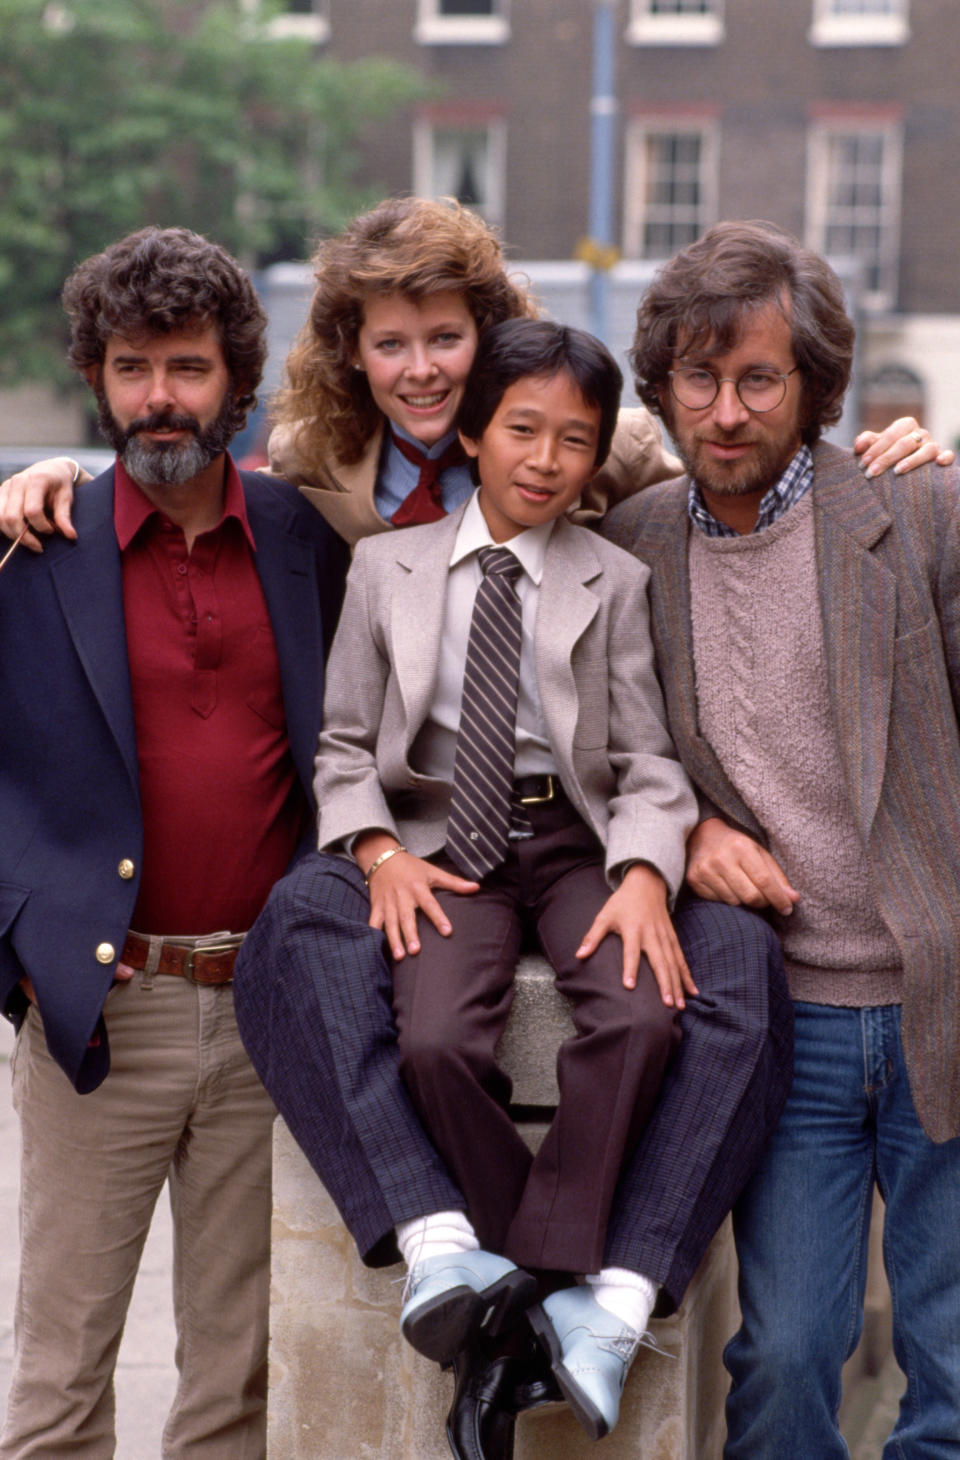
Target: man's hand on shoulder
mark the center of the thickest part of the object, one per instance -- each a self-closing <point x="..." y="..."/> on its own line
<point x="726" y="865"/>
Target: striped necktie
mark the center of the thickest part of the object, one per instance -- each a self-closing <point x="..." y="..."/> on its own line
<point x="486" y="743"/>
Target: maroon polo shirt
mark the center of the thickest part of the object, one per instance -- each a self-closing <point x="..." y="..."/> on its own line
<point x="223" y="809"/>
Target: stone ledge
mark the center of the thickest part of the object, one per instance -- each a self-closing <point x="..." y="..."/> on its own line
<point x="539" y="1023"/>
<point x="344" y="1385"/>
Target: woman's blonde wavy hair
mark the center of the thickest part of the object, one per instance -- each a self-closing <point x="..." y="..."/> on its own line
<point x="410" y="246"/>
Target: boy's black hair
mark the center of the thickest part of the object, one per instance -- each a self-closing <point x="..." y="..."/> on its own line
<point x="519" y="348"/>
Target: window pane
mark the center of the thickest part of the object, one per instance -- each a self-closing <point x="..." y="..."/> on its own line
<point x="863" y="7"/>
<point x="460" y="165"/>
<point x="467" y="7"/>
<point x="673" y="212"/>
<point x="857" y="207"/>
<point x="682" y="7"/>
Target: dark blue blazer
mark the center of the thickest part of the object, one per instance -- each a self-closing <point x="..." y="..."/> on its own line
<point x="69" y="786"/>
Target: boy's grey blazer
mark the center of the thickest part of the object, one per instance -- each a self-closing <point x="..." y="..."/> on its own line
<point x="888" y="563"/>
<point x="597" y="684"/>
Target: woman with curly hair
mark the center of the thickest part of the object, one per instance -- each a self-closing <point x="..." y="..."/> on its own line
<point x="401" y="298"/>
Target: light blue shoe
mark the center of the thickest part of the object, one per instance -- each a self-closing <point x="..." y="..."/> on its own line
<point x="590" y="1354"/>
<point x="450" y="1299"/>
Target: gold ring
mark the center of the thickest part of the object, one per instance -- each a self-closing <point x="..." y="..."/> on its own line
<point x="917" y="436"/>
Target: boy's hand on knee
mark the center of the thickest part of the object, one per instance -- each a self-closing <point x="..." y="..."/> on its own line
<point x="401" y="886"/>
<point x="638" y="913"/>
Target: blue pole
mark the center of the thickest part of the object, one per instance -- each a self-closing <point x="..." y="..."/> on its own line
<point x="603" y="107"/>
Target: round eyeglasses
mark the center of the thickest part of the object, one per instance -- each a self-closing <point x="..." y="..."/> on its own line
<point x="759" y="390"/>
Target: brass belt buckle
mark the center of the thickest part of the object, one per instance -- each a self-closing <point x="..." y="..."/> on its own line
<point x="539" y="800"/>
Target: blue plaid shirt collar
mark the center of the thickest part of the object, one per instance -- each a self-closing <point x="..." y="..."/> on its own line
<point x="784" y="494"/>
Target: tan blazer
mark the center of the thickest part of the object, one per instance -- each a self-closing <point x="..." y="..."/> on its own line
<point x="598" y="692"/>
<point x="888" y="561"/>
<point x="344" y="494"/>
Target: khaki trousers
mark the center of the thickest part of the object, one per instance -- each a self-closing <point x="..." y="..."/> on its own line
<point x="183" y="1101"/>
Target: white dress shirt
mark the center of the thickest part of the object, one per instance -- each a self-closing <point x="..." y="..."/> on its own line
<point x="435" y="747"/>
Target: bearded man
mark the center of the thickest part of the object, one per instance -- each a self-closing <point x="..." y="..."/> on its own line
<point x="160" y="699"/>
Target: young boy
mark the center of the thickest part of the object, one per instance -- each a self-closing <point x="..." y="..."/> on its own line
<point x="496" y="758"/>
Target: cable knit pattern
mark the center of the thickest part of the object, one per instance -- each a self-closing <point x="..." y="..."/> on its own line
<point x="763" y="706"/>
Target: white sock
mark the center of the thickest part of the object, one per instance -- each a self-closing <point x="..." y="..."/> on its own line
<point x="629" y="1296"/>
<point x="435" y="1235"/>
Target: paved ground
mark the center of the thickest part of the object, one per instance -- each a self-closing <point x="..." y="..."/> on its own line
<point x="872" y="1412"/>
<point x="146" y="1375"/>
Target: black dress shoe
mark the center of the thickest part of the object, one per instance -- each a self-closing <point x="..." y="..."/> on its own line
<point x="481" y="1419"/>
<point x="495" y="1383"/>
<point x="533" y="1382"/>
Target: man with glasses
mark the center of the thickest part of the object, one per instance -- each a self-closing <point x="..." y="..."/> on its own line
<point x="807" y="627"/>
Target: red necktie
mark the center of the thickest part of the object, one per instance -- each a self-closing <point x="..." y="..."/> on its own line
<point x="425" y="504"/>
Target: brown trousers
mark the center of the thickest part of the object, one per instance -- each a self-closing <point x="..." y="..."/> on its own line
<point x="452" y="1001"/>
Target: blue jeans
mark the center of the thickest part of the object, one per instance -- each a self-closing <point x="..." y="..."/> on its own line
<point x="801" y="1230"/>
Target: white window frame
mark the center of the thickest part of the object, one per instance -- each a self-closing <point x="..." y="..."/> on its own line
<point x="832" y="27"/>
<point x="424" y="184"/>
<point x="881" y="294"/>
<point x="646" y="28"/>
<point x="433" y="28"/>
<point x="635" y="211"/>
<point x="313" y="27"/>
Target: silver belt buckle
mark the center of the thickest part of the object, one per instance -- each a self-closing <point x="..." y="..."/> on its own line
<point x="232" y="941"/>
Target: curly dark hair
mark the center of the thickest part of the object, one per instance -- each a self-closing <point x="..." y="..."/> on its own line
<point x="159" y="281"/>
<point x="702" y="295"/>
<point x="415" y="247"/>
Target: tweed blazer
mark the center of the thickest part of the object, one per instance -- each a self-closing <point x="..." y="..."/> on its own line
<point x="344" y="493"/>
<point x="598" y="693"/>
<point x="888" y="565"/>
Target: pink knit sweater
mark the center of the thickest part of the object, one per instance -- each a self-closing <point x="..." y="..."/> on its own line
<point x="763" y="705"/>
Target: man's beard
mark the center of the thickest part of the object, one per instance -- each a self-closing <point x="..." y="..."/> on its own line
<point x="757" y="472"/>
<point x="168" y="463"/>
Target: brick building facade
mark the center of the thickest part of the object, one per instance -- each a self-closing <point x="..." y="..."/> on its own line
<point x="839" y="119"/>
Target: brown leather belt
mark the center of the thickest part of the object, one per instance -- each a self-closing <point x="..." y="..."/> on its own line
<point x="208" y="962"/>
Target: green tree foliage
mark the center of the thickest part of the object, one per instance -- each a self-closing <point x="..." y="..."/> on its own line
<point x="118" y="113"/>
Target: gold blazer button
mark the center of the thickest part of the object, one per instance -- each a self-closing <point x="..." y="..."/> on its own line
<point x="105" y="953"/>
<point x="126" y="869"/>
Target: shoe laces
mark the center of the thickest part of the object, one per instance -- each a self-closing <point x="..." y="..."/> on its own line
<point x="624" y="1345"/>
<point x="647" y="1340"/>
